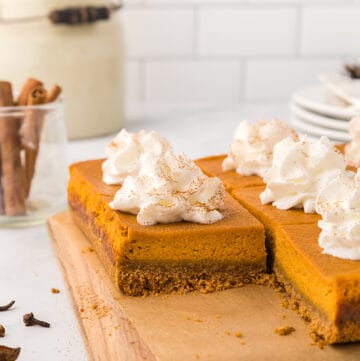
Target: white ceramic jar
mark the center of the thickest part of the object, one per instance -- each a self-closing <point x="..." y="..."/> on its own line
<point x="86" y="60"/>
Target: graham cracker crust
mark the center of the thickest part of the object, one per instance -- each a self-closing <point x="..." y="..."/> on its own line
<point x="321" y="329"/>
<point x="147" y="279"/>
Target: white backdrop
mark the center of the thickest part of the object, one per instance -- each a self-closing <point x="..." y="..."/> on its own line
<point x="230" y="51"/>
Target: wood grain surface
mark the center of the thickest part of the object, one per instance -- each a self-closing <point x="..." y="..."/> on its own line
<point x="235" y="324"/>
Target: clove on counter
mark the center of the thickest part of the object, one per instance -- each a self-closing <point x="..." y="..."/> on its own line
<point x="30" y="320"/>
<point x="7" y="307"/>
<point x="352" y="70"/>
<point x="9" y="353"/>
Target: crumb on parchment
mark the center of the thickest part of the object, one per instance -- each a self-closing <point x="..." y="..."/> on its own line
<point x="284" y="331"/>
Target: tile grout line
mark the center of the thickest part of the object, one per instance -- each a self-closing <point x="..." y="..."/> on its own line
<point x="238" y="4"/>
<point x="235" y="57"/>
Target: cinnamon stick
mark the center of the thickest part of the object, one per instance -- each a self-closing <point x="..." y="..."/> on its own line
<point x="53" y="93"/>
<point x="29" y="85"/>
<point x="2" y="201"/>
<point x="31" y="133"/>
<point x="5" y="98"/>
<point x="11" y="173"/>
<point x="6" y="95"/>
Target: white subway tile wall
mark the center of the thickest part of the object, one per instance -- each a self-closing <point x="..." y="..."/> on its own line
<point x="225" y="52"/>
<point x="192" y="81"/>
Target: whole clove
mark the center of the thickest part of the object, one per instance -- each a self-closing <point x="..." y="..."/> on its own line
<point x="2" y="331"/>
<point x="353" y="70"/>
<point x="9" y="353"/>
<point x="30" y="320"/>
<point x="7" y="307"/>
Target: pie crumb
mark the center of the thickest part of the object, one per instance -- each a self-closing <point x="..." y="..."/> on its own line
<point x="284" y="331"/>
<point x="319" y="342"/>
<point x="55" y="290"/>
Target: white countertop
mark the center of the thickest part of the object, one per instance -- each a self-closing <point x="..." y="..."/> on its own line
<point x="28" y="266"/>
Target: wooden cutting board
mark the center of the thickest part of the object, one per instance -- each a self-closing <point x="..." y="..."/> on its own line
<point x="235" y="324"/>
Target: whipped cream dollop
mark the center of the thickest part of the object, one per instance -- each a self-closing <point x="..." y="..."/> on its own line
<point x="170" y="189"/>
<point x="299" y="170"/>
<point x="251" y="152"/>
<point x="339" y="205"/>
<point x="126" y="153"/>
<point x="352" y="150"/>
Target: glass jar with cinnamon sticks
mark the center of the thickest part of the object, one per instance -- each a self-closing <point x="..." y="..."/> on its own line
<point x="78" y="42"/>
<point x="32" y="153"/>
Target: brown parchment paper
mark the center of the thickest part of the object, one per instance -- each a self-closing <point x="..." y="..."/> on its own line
<point x="235" y="324"/>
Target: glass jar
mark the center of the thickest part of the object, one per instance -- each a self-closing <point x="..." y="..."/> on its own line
<point x="33" y="163"/>
<point x="85" y="60"/>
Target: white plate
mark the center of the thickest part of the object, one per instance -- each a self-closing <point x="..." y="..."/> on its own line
<point x="319" y="120"/>
<point x="342" y="87"/>
<point x="318" y="131"/>
<point x="316" y="99"/>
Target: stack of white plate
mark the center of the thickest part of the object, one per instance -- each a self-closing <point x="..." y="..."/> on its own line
<point x="316" y="112"/>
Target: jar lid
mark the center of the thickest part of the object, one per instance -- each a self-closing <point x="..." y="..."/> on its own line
<point x="19" y="9"/>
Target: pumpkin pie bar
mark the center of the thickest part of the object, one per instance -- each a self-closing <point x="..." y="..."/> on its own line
<point x="323" y="289"/>
<point x="164" y="258"/>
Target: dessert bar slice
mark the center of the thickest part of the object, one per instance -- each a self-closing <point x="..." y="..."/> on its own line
<point x="164" y="258"/>
<point x="325" y="290"/>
